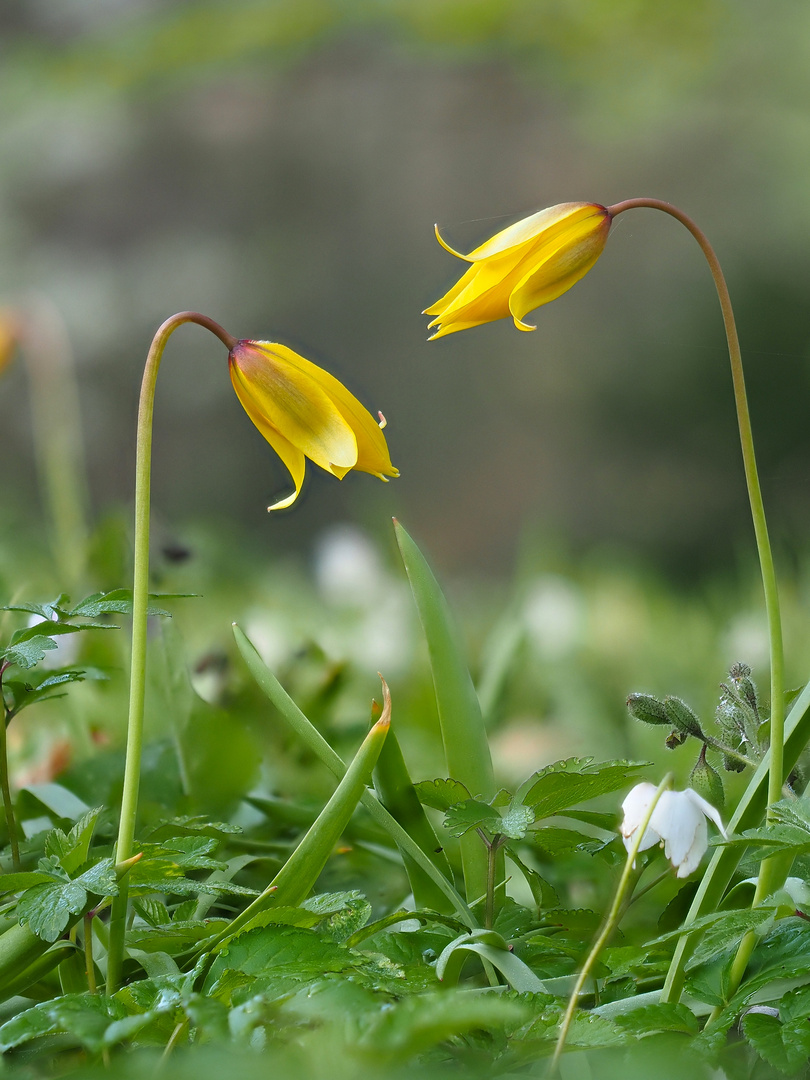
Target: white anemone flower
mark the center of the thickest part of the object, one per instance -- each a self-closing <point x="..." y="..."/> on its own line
<point x="678" y="822"/>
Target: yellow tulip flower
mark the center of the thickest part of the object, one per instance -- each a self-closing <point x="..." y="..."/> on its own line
<point x="304" y="412"/>
<point x="526" y="265"/>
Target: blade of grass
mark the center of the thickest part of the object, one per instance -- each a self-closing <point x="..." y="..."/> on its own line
<point x="466" y="748"/>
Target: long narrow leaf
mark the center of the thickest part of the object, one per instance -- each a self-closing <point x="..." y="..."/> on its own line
<point x="396" y="792"/>
<point x="464" y="736"/>
<point x="270" y="685"/>
<point x="294" y="881"/>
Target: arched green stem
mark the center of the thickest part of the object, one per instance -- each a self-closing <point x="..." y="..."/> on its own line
<point x="5" y="787"/>
<point x="614" y="915"/>
<point x="771" y="870"/>
<point x="140" y="600"/>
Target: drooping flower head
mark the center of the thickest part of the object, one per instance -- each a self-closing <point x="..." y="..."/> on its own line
<point x="523" y="266"/>
<point x="678" y="822"/>
<point x="304" y="412"/>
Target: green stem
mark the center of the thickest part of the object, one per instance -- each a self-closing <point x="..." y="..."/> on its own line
<point x="771" y="870"/>
<point x="89" y="963"/>
<point x="140" y="600"/>
<point x="715" y="744"/>
<point x="492" y="846"/>
<point x="611" y="922"/>
<point x="11" y="824"/>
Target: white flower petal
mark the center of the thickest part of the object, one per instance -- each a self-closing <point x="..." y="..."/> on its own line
<point x="695" y="853"/>
<point x="707" y="809"/>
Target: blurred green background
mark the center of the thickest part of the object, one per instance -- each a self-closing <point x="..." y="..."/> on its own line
<point x="280" y="165"/>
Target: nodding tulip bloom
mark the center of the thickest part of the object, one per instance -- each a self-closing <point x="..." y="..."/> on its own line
<point x="304" y="412"/>
<point x="678" y="822"/>
<point x="526" y="265"/>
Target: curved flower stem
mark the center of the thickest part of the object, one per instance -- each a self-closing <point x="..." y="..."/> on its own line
<point x="140" y="601"/>
<point x="612" y="921"/>
<point x="771" y="870"/>
<point x="5" y="787"/>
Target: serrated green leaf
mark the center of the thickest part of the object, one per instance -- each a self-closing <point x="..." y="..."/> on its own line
<point x="28" y="653"/>
<point x="567" y="783"/>
<point x="663" y="1016"/>
<point x="72" y="849"/>
<point x="152" y="911"/>
<point x="84" y="1016"/>
<point x="100" y="879"/>
<point x="47" y="908"/>
<point x="419" y="1022"/>
<point x="795" y="1004"/>
<point x="285" y="954"/>
<point x="46" y="611"/>
<point x="556" y="842"/>
<point x="117" y="602"/>
<point x="785" y="1046"/>
<point x="47" y="629"/>
<point x="24" y="880"/>
<point x="441" y="794"/>
<point x="471" y="814"/>
<point x="175" y="937"/>
<point x="342" y="924"/>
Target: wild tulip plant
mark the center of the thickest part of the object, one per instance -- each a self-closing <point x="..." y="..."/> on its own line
<point x="393" y="925"/>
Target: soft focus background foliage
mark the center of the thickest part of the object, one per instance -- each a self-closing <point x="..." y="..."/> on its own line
<point x="280" y="165"/>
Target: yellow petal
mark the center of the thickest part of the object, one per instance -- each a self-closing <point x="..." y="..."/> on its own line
<point x="562" y="266"/>
<point x="544" y="226"/>
<point x="372" y="450"/>
<point x="292" y="402"/>
<point x="292" y="457"/>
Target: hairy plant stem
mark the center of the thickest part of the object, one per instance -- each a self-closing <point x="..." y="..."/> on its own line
<point x="5" y="787"/>
<point x="614" y="915"/>
<point x="493" y="846"/>
<point x="772" y="871"/>
<point x="140" y="601"/>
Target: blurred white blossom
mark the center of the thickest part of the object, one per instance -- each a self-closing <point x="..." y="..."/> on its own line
<point x="554" y="614"/>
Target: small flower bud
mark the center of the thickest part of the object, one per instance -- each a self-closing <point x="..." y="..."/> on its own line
<point x="706" y="782"/>
<point x="675" y="739"/>
<point x="731" y="764"/>
<point x="648" y="709"/>
<point x="681" y="717"/>
<point x="740" y="675"/>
